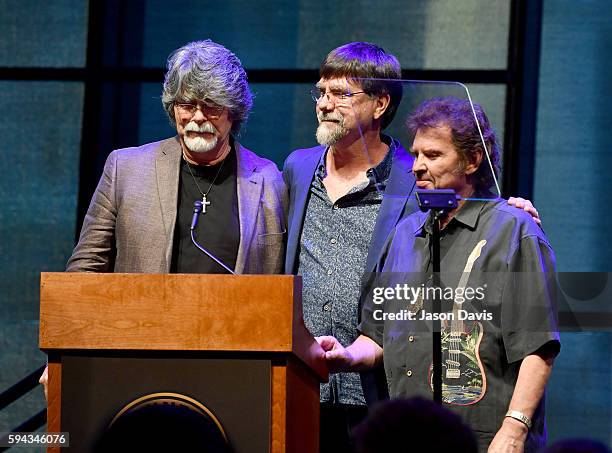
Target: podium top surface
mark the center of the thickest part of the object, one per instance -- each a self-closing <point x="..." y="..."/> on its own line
<point x="175" y="312"/>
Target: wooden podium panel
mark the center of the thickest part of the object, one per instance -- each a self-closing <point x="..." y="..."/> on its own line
<point x="223" y="386"/>
<point x="93" y="323"/>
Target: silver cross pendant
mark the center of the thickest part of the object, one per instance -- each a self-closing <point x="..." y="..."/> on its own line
<point x="205" y="203"/>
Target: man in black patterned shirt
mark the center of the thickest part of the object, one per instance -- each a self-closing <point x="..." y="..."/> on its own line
<point x="503" y="253"/>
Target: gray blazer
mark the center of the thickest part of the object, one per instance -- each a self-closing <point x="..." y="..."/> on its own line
<point x="129" y="226"/>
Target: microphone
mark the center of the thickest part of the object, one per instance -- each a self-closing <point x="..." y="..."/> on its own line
<point x="197" y="208"/>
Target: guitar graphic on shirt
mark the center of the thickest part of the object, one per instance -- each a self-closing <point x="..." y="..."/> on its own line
<point x="463" y="379"/>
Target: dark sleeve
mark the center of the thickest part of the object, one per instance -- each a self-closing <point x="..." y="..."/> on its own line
<point x="529" y="312"/>
<point x="95" y="251"/>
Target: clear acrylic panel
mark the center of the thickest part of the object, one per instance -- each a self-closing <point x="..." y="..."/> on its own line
<point x="426" y="111"/>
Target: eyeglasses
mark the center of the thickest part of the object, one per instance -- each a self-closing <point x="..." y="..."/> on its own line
<point x="210" y="111"/>
<point x="336" y="96"/>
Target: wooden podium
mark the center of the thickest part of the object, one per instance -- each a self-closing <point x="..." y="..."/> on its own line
<point x="235" y="345"/>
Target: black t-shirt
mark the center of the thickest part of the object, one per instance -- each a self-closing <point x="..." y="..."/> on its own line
<point x="218" y="229"/>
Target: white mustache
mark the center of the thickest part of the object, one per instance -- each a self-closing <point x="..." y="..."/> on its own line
<point x="204" y="127"/>
<point x="330" y="117"/>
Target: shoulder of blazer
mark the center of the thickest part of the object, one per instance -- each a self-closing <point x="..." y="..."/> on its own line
<point x="250" y="163"/>
<point x="303" y="153"/>
<point x="149" y="151"/>
<point x="301" y="164"/>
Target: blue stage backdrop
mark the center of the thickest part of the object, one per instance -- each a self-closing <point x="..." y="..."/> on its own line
<point x="42" y="131"/>
<point x="573" y="190"/>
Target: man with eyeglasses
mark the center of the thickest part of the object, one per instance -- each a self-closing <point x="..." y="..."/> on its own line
<point x="339" y="217"/>
<point x="140" y="215"/>
<point x="335" y="229"/>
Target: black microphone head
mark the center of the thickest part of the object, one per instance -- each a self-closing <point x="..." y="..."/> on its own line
<point x="197" y="206"/>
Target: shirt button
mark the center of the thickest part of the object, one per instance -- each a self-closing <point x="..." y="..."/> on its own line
<point x="335" y="207"/>
<point x="327" y="306"/>
<point x="409" y="373"/>
<point x="333" y="240"/>
<point x="410" y="338"/>
<point x="329" y="272"/>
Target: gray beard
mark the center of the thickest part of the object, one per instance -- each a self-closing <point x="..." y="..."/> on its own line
<point x="330" y="135"/>
<point x="199" y="144"/>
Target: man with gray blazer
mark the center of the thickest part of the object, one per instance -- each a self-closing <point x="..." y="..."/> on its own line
<point x="141" y="213"/>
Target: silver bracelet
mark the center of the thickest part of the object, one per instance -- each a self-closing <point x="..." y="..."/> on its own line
<point x="520" y="417"/>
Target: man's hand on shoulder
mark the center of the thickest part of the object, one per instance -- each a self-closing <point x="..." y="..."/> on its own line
<point x="526" y="206"/>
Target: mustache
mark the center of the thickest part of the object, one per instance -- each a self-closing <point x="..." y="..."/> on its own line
<point x="336" y="117"/>
<point x="422" y="175"/>
<point x="204" y="127"/>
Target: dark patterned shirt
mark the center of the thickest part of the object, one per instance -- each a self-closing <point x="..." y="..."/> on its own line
<point x="514" y="267"/>
<point x="332" y="256"/>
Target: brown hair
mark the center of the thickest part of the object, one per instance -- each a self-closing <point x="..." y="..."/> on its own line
<point x="457" y="114"/>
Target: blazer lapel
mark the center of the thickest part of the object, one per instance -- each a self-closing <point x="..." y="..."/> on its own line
<point x="397" y="196"/>
<point x="303" y="178"/>
<point x="249" y="187"/>
<point x="167" y="168"/>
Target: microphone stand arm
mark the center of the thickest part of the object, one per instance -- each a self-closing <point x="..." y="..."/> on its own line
<point x="197" y="209"/>
<point x="439" y="201"/>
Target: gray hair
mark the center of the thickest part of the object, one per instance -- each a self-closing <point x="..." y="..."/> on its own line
<point x="204" y="70"/>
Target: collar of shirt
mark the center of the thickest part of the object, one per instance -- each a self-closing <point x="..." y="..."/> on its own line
<point x="377" y="175"/>
<point x="467" y="216"/>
